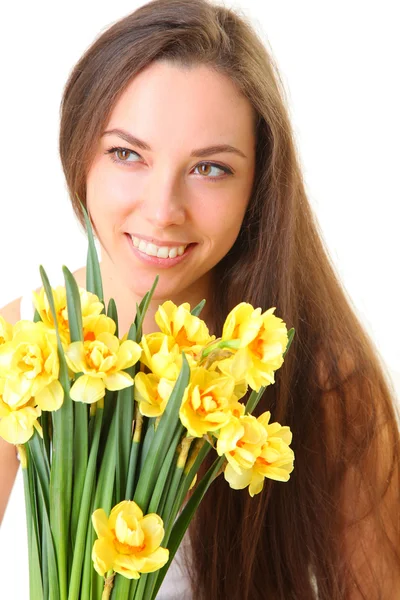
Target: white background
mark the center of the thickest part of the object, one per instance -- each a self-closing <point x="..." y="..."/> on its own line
<point x="339" y="64"/>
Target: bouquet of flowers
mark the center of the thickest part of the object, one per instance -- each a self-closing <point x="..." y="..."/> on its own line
<point x="112" y="431"/>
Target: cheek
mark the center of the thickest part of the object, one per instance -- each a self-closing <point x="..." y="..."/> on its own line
<point x="108" y="194"/>
<point x="221" y="223"/>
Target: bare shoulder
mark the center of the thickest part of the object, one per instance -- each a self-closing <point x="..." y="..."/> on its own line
<point x="11" y="312"/>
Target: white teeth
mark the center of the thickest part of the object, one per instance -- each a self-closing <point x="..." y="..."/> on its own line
<point x="151" y="250"/>
<point x="163" y="252"/>
<point x="159" y="251"/>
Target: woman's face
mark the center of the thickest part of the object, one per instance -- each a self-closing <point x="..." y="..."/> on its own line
<point x="164" y="195"/>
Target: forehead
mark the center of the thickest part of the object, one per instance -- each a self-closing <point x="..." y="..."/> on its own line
<point x="181" y="102"/>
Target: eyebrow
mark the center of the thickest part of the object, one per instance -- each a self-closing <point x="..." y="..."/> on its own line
<point x="198" y="152"/>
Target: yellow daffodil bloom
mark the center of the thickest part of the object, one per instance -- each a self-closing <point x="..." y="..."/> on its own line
<point x="152" y="393"/>
<point x="29" y="364"/>
<point x="128" y="542"/>
<point x="102" y="362"/>
<point x="189" y="332"/>
<point x="6" y="331"/>
<point x="161" y="355"/>
<point x="18" y="422"/>
<point x="241" y="440"/>
<point x="273" y="458"/>
<point x="208" y="402"/>
<point x="263" y="340"/>
<point x="90" y="306"/>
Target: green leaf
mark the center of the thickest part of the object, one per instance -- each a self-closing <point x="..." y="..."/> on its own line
<point x="112" y="313"/>
<point x="142" y="309"/>
<point x="73" y="306"/>
<point x="162" y="439"/>
<point x="197" y="309"/>
<point x="291" y="333"/>
<point x="80" y="410"/>
<point x="183" y="521"/>
<point x="94" y="282"/>
<point x="62" y="460"/>
<point x="84" y="516"/>
<point x="51" y="561"/>
<point x="123" y="438"/>
<point x="35" y="578"/>
<point x="254" y="399"/>
<point x="165" y="469"/>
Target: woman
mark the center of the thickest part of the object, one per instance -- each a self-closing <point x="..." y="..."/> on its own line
<point x="176" y="76"/>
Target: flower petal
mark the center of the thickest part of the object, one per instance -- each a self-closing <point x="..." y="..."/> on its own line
<point x="51" y="397"/>
<point x="118" y="381"/>
<point x="87" y="389"/>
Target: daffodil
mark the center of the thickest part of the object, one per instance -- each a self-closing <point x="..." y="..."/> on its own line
<point x="17" y="423"/>
<point x="6" y="331"/>
<point x="263" y="341"/>
<point x="30" y="367"/>
<point x="90" y="306"/>
<point x="102" y="362"/>
<point x="161" y="355"/>
<point x="189" y="332"/>
<point x="128" y="542"/>
<point x="255" y="452"/>
<point x="241" y="440"/>
<point x="208" y="402"/>
<point x="152" y="393"/>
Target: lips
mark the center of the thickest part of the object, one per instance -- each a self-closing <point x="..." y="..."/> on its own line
<point x="163" y="263"/>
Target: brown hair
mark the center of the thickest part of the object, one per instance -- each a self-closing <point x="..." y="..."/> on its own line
<point x="337" y="519"/>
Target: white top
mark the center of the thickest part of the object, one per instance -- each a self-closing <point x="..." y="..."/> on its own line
<point x="14" y="541"/>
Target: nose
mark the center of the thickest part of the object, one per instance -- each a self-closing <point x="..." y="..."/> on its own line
<point x="162" y="202"/>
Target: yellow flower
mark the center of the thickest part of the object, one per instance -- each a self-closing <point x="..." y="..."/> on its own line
<point x="93" y="325"/>
<point x="30" y="367"/>
<point x="152" y="393"/>
<point x="208" y="402"/>
<point x="273" y="460"/>
<point x="128" y="542"/>
<point x="90" y="306"/>
<point x="189" y="332"/>
<point x="161" y="355"/>
<point x="241" y="440"/>
<point x="263" y="340"/>
<point x="6" y="331"/>
<point x="17" y="422"/>
<point x="102" y="362"/>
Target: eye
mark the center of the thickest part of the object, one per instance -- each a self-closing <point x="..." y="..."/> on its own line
<point x="120" y="155"/>
<point x="208" y="169"/>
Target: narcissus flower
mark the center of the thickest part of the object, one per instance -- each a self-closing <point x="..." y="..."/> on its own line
<point x="189" y="332"/>
<point x="208" y="402"/>
<point x="18" y="422"/>
<point x="152" y="393"/>
<point x="255" y="449"/>
<point x="102" y="362"/>
<point x="263" y="341"/>
<point x="6" y="331"/>
<point x="129" y="543"/>
<point x="30" y="367"/>
<point x="161" y="355"/>
<point x="90" y="306"/>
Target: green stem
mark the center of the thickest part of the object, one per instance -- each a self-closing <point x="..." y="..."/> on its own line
<point x="35" y="580"/>
<point x="82" y="526"/>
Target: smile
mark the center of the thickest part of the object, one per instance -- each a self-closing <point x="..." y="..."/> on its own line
<point x="159" y="251"/>
<point x="162" y="257"/>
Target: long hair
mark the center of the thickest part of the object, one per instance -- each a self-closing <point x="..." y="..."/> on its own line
<point x="335" y="524"/>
